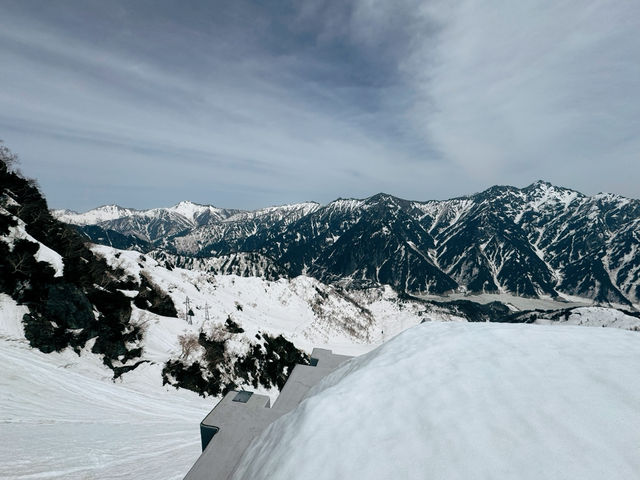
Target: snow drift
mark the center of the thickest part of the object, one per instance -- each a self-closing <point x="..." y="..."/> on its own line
<point x="467" y="401"/>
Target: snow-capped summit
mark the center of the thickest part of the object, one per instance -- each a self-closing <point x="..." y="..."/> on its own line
<point x="95" y="216"/>
<point x="543" y="193"/>
<point x="190" y="209"/>
<point x="200" y="214"/>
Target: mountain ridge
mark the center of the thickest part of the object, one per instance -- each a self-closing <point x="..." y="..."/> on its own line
<point x="539" y="240"/>
<point x="76" y="218"/>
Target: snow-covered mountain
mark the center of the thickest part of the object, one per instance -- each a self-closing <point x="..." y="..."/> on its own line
<point x="540" y="240"/>
<point x="148" y="225"/>
<point x="80" y="322"/>
<point x="194" y="213"/>
<point x="224" y="236"/>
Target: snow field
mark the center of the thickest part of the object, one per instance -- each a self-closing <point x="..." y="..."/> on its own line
<point x="62" y="417"/>
<point x="307" y="312"/>
<point x="468" y="401"/>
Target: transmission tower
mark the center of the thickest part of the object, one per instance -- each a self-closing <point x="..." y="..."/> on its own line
<point x="188" y="313"/>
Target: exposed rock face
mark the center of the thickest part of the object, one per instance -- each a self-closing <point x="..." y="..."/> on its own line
<point x="538" y="240"/>
<point x="72" y="295"/>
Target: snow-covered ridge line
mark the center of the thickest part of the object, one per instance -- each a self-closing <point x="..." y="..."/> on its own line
<point x="94" y="216"/>
<point x="189" y="210"/>
<point x="537" y="240"/>
<point x="546" y="193"/>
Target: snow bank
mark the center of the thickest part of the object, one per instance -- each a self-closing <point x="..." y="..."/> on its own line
<point x="468" y="401"/>
<point x="61" y="417"/>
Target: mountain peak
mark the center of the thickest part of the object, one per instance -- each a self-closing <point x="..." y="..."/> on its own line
<point x="381" y="197"/>
<point x="94" y="216"/>
<point x="108" y="207"/>
<point x="540" y="183"/>
<point x="189" y="203"/>
<point x="544" y="186"/>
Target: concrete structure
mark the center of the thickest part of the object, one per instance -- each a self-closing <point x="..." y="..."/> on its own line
<point x="241" y="416"/>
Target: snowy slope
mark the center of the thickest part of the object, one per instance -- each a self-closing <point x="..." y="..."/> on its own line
<point x="87" y="426"/>
<point x="598" y="317"/>
<point x="44" y="253"/>
<point x="467" y="401"/>
<point x="61" y="417"/>
<point x="306" y="311"/>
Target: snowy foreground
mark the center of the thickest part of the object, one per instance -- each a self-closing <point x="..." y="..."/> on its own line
<point x="468" y="401"/>
<point x="62" y="417"/>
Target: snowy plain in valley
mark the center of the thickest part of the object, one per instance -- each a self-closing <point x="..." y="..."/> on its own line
<point x="467" y="401"/>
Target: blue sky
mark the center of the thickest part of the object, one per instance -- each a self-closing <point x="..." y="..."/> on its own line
<point x="248" y="104"/>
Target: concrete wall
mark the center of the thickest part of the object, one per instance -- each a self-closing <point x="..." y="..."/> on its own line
<point x="230" y="427"/>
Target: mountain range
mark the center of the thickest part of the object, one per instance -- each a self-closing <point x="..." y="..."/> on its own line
<point x="541" y="240"/>
<point x="207" y="300"/>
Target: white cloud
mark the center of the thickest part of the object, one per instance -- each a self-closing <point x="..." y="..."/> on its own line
<point x="240" y="127"/>
<point x="533" y="88"/>
<point x="419" y="99"/>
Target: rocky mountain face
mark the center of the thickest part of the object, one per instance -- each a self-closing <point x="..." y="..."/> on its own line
<point x="74" y="298"/>
<point x="538" y="240"/>
<point x="107" y="302"/>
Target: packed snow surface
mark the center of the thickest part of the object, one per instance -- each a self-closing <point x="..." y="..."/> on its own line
<point x="62" y="417"/>
<point x="468" y="401"/>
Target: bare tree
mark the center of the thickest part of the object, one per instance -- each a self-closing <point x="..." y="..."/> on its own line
<point x="188" y="343"/>
<point x="22" y="256"/>
<point x="7" y="157"/>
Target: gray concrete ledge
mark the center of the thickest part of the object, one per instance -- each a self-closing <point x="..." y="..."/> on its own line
<point x="229" y="428"/>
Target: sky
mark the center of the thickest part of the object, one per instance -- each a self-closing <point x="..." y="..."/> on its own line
<point x="247" y="104"/>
